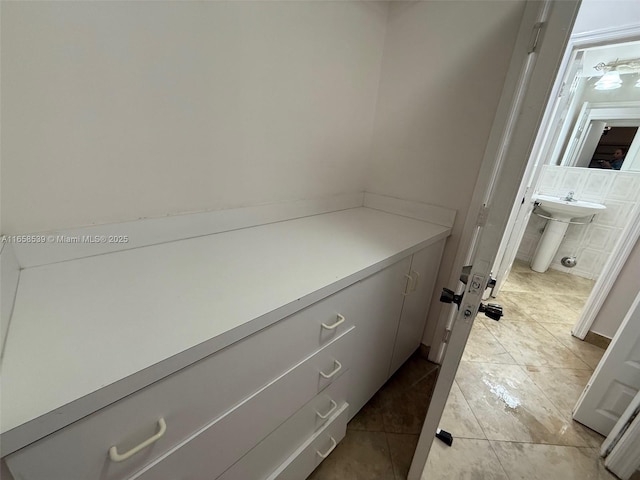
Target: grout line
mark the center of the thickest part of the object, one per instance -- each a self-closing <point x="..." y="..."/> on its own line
<point x="499" y="461"/>
<point x="393" y="467"/>
<point x="472" y="413"/>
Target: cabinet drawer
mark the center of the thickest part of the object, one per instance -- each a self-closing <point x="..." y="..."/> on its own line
<point x="187" y="400"/>
<point x="215" y="448"/>
<point x="304" y="460"/>
<point x="271" y="452"/>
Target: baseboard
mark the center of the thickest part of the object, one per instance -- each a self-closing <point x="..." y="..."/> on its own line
<point x="598" y="340"/>
<point x="70" y="244"/>
<point x="409" y="208"/>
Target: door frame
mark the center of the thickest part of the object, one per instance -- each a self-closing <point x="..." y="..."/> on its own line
<point x="529" y="83"/>
<point x="524" y="206"/>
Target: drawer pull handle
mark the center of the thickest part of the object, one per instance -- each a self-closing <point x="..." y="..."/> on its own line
<point x="415" y="286"/>
<point x="408" y="289"/>
<point x="335" y="370"/>
<point x="119" y="457"/>
<point x="333" y="446"/>
<point x="334" y="405"/>
<point x="334" y="325"/>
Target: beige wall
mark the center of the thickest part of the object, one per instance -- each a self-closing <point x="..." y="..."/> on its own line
<point x="443" y="70"/>
<point x="623" y="293"/>
<point x="113" y="111"/>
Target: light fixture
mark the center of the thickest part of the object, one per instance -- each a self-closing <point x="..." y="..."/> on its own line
<point x="638" y="83"/>
<point x="611" y="80"/>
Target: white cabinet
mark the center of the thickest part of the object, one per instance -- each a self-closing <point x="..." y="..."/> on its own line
<point x="379" y="300"/>
<point x="273" y="403"/>
<point x="417" y="298"/>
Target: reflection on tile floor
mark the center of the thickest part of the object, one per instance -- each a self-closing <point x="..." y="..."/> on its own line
<point x="510" y="406"/>
<point x="518" y="381"/>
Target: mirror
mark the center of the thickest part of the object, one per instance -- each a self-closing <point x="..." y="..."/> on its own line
<point x="605" y="136"/>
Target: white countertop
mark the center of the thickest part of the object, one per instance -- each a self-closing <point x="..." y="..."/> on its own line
<point x="86" y="332"/>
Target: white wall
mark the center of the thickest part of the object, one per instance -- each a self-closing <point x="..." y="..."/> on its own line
<point x="597" y="15"/>
<point x="113" y="111"/>
<point x="443" y="70"/>
<point x="624" y="291"/>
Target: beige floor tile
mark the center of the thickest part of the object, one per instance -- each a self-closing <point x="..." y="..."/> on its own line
<point x="369" y="418"/>
<point x="458" y="418"/>
<point x="519" y="282"/>
<point x="521" y="266"/>
<point x="562" y="386"/>
<point x="466" y="459"/>
<point x="531" y="344"/>
<point x="404" y="399"/>
<point x="543" y="307"/>
<point x="565" y="283"/>
<point x="359" y="456"/>
<point x="523" y="461"/>
<point x="574" y="302"/>
<point x="512" y="311"/>
<point x="593" y="438"/>
<point x="552" y="281"/>
<point x="483" y="347"/>
<point x="510" y="407"/>
<point x="402" y="447"/>
<point x="589" y="354"/>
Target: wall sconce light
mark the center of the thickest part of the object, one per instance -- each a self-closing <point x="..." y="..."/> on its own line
<point x="609" y="81"/>
<point x="612" y="70"/>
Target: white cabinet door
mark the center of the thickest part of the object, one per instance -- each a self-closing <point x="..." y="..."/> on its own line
<point x="424" y="269"/>
<point x="376" y="312"/>
<point x="616" y="380"/>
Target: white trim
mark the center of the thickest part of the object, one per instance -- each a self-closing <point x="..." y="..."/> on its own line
<point x="596" y="38"/>
<point x="621" y="425"/>
<point x="153" y="231"/>
<point x="412" y="209"/>
<point x="624" y="460"/>
<point x="610" y="272"/>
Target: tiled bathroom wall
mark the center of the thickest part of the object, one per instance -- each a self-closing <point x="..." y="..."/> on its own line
<point x="591" y="244"/>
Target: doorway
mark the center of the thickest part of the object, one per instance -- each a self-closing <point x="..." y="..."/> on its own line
<point x="582" y="132"/>
<point x="543" y="453"/>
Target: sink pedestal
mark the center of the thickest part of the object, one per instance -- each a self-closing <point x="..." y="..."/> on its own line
<point x="560" y="213"/>
<point x="548" y="245"/>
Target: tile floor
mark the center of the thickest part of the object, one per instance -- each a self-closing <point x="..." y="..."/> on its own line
<point x="510" y="406"/>
<point x="382" y="437"/>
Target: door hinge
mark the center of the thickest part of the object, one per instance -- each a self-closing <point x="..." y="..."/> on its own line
<point x="447" y="336"/>
<point x="483" y="214"/>
<point x="536" y="35"/>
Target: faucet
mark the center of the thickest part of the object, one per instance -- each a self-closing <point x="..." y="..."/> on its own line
<point x="569" y="197"/>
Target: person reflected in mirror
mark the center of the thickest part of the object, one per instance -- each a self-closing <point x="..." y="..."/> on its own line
<point x="616" y="162"/>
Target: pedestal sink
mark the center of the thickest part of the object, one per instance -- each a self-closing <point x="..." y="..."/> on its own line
<point x="561" y="211"/>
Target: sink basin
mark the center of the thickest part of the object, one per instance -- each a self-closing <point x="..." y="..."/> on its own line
<point x="561" y="212"/>
<point x="566" y="210"/>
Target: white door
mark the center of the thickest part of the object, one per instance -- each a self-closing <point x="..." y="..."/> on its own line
<point x="541" y="41"/>
<point x="616" y="380"/>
